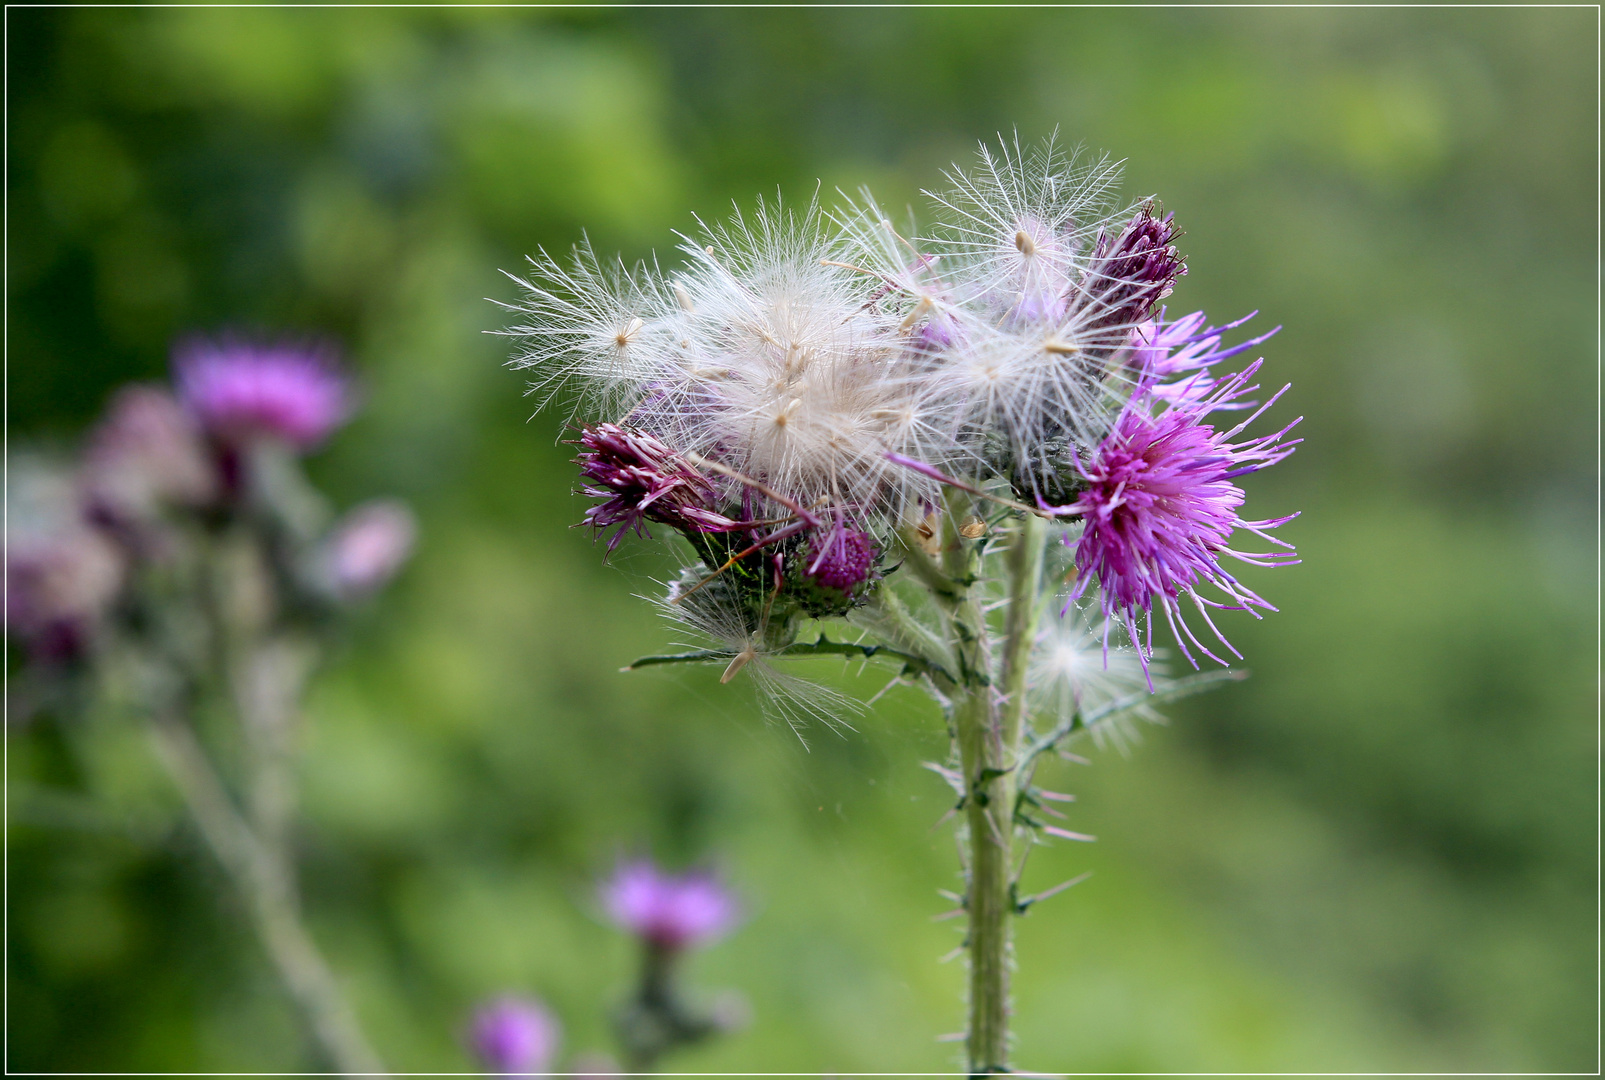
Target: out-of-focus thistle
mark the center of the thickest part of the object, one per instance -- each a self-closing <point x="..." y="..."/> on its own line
<point x="668" y="914"/>
<point x="514" y="1036"/>
<point x="934" y="440"/>
<point x="183" y="568"/>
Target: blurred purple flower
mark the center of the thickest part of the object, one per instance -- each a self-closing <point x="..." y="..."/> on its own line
<point x="62" y="574"/>
<point x="368" y="546"/>
<point x="241" y="391"/>
<point x="670" y="911"/>
<point x="145" y="456"/>
<point x="1160" y="509"/>
<point x="514" y="1035"/>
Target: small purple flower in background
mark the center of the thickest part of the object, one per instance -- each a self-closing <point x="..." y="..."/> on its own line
<point x="241" y="391"/>
<point x="368" y="547"/>
<point x="514" y="1035"/>
<point x="669" y="911"/>
<point x="1161" y="508"/>
<point x="62" y="574"/>
<point x="146" y="456"/>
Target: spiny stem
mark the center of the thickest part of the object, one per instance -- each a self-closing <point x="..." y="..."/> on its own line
<point x="1024" y="563"/>
<point x="268" y="886"/>
<point x="989" y="726"/>
<point x="985" y="765"/>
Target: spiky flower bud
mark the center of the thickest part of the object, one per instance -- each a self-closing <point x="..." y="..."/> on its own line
<point x="643" y="479"/>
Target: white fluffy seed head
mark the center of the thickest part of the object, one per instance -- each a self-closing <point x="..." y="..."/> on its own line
<point x="809" y="382"/>
<point x="591" y="332"/>
<point x="801" y="349"/>
<point x="1016" y="229"/>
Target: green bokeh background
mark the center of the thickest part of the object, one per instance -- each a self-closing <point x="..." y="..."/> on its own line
<point x="1376" y="854"/>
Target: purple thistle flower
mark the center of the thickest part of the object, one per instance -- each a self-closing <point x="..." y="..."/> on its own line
<point x="1127" y="276"/>
<point x="644" y="479"/>
<point x="241" y="391"/>
<point x="144" y="456"/>
<point x="669" y="911"/>
<point x="514" y="1035"/>
<point x="1184" y="350"/>
<point x="841" y="559"/>
<point x="1161" y="507"/>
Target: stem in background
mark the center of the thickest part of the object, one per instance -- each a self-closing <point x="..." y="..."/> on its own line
<point x="264" y="879"/>
<point x="655" y="1021"/>
<point x="267" y="681"/>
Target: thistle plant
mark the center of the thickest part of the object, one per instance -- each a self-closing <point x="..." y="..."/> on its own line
<point x="985" y="454"/>
<point x="667" y="914"/>
<point x="185" y="575"/>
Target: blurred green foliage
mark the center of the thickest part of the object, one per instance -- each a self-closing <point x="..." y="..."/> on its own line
<point x="1378" y="853"/>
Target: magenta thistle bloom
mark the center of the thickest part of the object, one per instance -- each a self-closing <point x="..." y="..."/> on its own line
<point x="146" y="455"/>
<point x="1183" y="351"/>
<point x="1161" y="508"/>
<point x="242" y="391"/>
<point x="667" y="910"/>
<point x="644" y="479"/>
<point x="514" y="1035"/>
<point x="841" y="559"/>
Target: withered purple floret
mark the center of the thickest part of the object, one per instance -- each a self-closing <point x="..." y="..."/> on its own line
<point x="644" y="479"/>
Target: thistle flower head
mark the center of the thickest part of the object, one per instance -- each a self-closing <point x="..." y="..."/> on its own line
<point x="642" y="479"/>
<point x="669" y="911"/>
<point x="514" y="1035"/>
<point x="62" y="574"/>
<point x="1161" y="509"/>
<point x="144" y="457"/>
<point x="807" y="383"/>
<point x="842" y="559"/>
<point x="1015" y="228"/>
<point x="241" y="391"/>
<point x="761" y="354"/>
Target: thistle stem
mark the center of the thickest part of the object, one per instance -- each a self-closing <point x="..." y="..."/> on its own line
<point x="986" y="718"/>
<point x="988" y="726"/>
<point x="267" y="883"/>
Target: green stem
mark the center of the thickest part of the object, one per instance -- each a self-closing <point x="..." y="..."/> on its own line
<point x="988" y="725"/>
<point x="981" y="719"/>
<point x="268" y="886"/>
